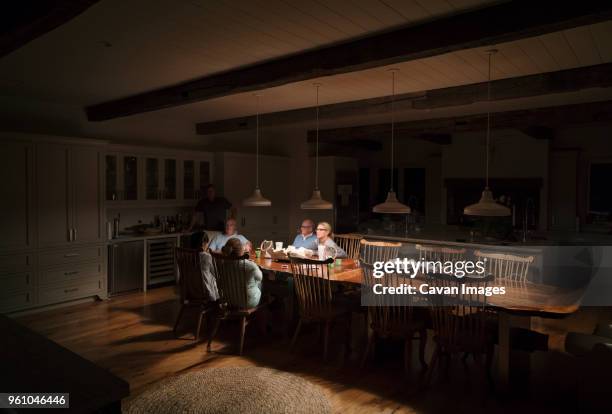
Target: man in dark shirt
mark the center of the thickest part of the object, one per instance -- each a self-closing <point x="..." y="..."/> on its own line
<point x="211" y="212"/>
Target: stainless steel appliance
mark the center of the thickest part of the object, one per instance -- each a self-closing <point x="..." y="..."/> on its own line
<point x="126" y="266"/>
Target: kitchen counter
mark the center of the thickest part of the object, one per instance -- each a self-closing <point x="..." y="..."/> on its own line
<point x="128" y="238"/>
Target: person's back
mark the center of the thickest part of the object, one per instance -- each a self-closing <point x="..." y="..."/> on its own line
<point x="254" y="279"/>
<point x="234" y="248"/>
<point x="208" y="278"/>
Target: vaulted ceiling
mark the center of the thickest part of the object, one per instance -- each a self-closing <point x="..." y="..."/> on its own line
<point x="118" y="48"/>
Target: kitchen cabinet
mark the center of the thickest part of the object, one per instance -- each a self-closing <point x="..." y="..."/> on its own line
<point x="53" y="203"/>
<point x="54" y="248"/>
<point x="130" y="178"/>
<point x="87" y="207"/>
<point x="16" y="218"/>
<point x="68" y="198"/>
<point x="152" y="179"/>
<point x="136" y="176"/>
<point x="126" y="266"/>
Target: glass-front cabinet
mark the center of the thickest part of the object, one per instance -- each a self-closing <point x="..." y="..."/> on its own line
<point x="169" y="191"/>
<point x="152" y="179"/>
<point x="189" y="190"/>
<point x="131" y="177"/>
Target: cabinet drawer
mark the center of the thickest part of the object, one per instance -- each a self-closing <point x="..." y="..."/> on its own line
<point x="70" y="272"/>
<point x="16" y="262"/>
<point x="70" y="291"/>
<point x="15" y="281"/>
<point x="15" y="301"/>
<point x="64" y="256"/>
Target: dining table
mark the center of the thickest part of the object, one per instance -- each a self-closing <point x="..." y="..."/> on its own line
<point x="515" y="308"/>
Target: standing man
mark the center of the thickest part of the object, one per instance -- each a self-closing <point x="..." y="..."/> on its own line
<point x="211" y="212"/>
<point x="307" y="238"/>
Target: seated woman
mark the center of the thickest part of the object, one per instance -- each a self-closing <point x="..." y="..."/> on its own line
<point x="325" y="238"/>
<point x="234" y="248"/>
<point x="206" y="268"/>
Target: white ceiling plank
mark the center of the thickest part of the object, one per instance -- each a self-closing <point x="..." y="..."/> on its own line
<point x="583" y="46"/>
<point x="602" y="34"/>
<point x="538" y="54"/>
<point x="560" y="50"/>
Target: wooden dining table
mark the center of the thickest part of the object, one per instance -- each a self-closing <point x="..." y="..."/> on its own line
<point x="516" y="307"/>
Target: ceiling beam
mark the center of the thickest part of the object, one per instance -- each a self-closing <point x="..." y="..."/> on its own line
<point x="495" y="24"/>
<point x="25" y="20"/>
<point x="570" y="80"/>
<point x="537" y="121"/>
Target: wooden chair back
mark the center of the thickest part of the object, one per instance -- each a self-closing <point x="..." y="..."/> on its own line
<point x="460" y="315"/>
<point x="349" y="243"/>
<point x="388" y="314"/>
<point x="378" y="251"/>
<point x="440" y="253"/>
<point x="191" y="286"/>
<point x="506" y="267"/>
<point x="312" y="287"/>
<point x="231" y="277"/>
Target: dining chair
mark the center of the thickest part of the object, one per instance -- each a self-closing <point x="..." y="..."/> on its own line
<point x="393" y="316"/>
<point x="378" y="251"/>
<point x="440" y="253"/>
<point x="316" y="303"/>
<point x="349" y="243"/>
<point x="231" y="277"/>
<point x="461" y="321"/>
<point x="192" y="292"/>
<point x="506" y="267"/>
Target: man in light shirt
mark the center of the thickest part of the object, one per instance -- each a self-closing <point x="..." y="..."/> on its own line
<point x="230" y="232"/>
<point x="307" y="237"/>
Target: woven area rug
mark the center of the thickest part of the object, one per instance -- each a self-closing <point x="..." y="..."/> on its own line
<point x="231" y="390"/>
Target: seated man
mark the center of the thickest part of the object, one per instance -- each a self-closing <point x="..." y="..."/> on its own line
<point x="230" y="233"/>
<point x="307" y="238"/>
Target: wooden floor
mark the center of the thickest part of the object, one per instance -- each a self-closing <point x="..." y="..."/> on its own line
<point x="131" y="336"/>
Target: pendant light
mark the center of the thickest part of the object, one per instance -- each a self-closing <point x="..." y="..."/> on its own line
<point x="256" y="199"/>
<point x="391" y="204"/>
<point x="316" y="202"/>
<point x="487" y="206"/>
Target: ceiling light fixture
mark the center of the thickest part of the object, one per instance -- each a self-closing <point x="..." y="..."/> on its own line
<point x="316" y="201"/>
<point x="391" y="204"/>
<point x="487" y="206"/>
<point x="256" y="199"/>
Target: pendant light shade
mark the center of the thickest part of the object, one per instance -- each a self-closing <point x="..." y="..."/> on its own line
<point x="316" y="201"/>
<point x="256" y="199"/>
<point x="392" y="204"/>
<point x="487" y="206"/>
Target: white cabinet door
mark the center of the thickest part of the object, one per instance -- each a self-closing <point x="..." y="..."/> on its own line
<point x="16" y="170"/>
<point x="52" y="194"/>
<point x="87" y="204"/>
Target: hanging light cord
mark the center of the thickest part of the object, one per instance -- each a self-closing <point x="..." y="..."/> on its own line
<point x="491" y="52"/>
<point x="317" y="144"/>
<point x="257" y="146"/>
<point x="392" y="124"/>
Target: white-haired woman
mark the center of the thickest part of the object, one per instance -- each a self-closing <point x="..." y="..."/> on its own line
<point x="325" y="238"/>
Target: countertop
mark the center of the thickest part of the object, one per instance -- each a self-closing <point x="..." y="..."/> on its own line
<point x="126" y="238"/>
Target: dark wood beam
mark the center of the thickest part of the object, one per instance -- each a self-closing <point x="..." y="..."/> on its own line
<point x="570" y="80"/>
<point x="25" y="20"/>
<point x="495" y="24"/>
<point x="526" y="119"/>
